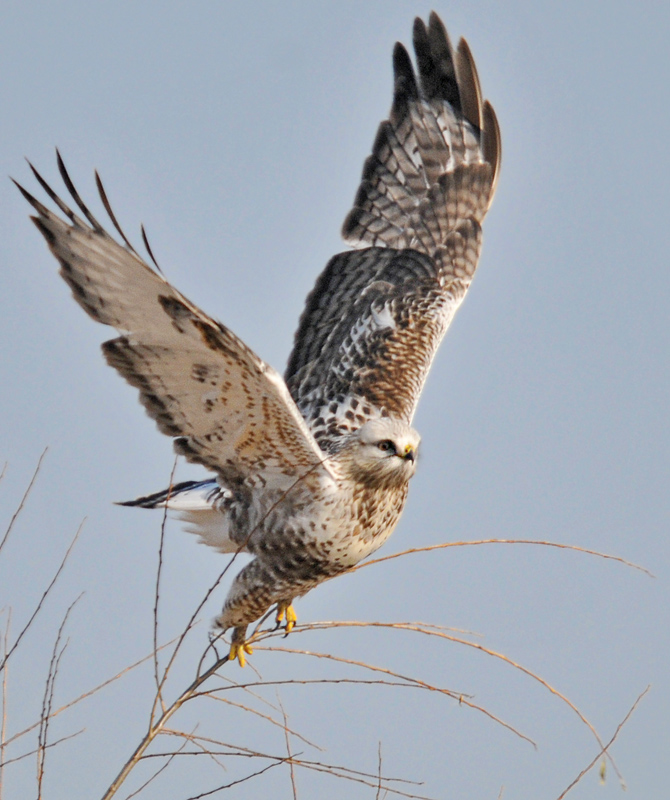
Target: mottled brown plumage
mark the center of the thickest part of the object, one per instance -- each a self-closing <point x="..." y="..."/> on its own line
<point x="375" y="318"/>
<point x="311" y="471"/>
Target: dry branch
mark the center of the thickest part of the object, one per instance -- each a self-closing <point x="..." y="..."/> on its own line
<point x="470" y="543"/>
<point x="22" y="503"/>
<point x="45" y="594"/>
<point x="606" y="747"/>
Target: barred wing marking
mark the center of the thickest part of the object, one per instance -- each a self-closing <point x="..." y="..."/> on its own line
<point x="197" y="380"/>
<point x="374" y="320"/>
<point x="372" y="327"/>
<point x="435" y="127"/>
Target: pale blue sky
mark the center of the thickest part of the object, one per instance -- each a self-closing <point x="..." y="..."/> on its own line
<point x="236" y="133"/>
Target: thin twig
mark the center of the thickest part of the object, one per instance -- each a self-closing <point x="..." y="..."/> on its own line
<point x="159" y="570"/>
<point x="5" y="679"/>
<point x="379" y="771"/>
<point x="86" y="695"/>
<point x="234" y="783"/>
<point x="444" y="545"/>
<point x="19" y="508"/>
<point x="45" y="594"/>
<point x="461" y="698"/>
<point x="36" y="749"/>
<point x="358" y="776"/>
<point x="231" y="684"/>
<point x="210" y="694"/>
<point x="47" y="701"/>
<point x="605" y="747"/>
<point x="401" y="684"/>
<point x="432" y="631"/>
<point x="153" y="777"/>
<point x="288" y="749"/>
<point x="158" y="726"/>
<point x="204" y="744"/>
<point x="197" y="741"/>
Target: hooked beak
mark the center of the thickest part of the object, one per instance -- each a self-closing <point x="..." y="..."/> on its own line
<point x="409" y="454"/>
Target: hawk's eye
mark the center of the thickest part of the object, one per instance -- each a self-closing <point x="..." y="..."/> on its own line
<point x="386" y="446"/>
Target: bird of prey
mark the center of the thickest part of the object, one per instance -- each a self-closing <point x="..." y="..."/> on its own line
<point x="311" y="470"/>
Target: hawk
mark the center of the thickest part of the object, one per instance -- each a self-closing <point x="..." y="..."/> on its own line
<point x="311" y="471"/>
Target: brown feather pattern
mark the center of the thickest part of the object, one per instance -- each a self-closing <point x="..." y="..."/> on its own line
<point x="376" y="316"/>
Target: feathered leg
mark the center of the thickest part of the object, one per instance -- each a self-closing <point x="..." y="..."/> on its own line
<point x="254" y="590"/>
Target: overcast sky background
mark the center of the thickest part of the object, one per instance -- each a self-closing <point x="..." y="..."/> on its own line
<point x="236" y="133"/>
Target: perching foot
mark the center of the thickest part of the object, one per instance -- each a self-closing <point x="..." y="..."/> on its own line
<point x="285" y="609"/>
<point x="239" y="647"/>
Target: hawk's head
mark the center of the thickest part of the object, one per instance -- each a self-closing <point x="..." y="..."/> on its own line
<point x="381" y="453"/>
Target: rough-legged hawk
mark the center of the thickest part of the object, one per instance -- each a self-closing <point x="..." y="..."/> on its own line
<point x="311" y="470"/>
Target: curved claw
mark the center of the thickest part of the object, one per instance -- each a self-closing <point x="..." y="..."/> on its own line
<point x="286" y="610"/>
<point x="291" y="619"/>
<point x="238" y="650"/>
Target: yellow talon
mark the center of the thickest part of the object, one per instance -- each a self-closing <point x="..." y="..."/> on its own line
<point x="291" y="618"/>
<point x="237" y="651"/>
<point x="286" y="610"/>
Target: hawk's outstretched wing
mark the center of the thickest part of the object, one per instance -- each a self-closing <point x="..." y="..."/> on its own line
<point x="231" y="411"/>
<point x="375" y="318"/>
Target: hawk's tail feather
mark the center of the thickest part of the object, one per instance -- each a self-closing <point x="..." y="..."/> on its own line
<point x="187" y="495"/>
<point x="202" y="505"/>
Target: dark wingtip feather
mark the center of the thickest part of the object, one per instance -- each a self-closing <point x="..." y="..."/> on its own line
<point x="43" y="211"/>
<point x="34" y="202"/>
<point x="434" y="19"/>
<point x="435" y="61"/>
<point x="468" y="84"/>
<point x="437" y="33"/>
<point x="492" y="142"/>
<point x="44" y="230"/>
<point x="52" y="195"/>
<point x="420" y="39"/>
<point x="443" y="60"/>
<point x="424" y="58"/>
<point x="75" y="194"/>
<point x="145" y="239"/>
<point x="405" y="88"/>
<point x="65" y="175"/>
<point x="110" y="213"/>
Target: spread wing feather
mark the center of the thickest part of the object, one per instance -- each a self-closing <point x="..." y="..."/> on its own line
<point x="374" y="320"/>
<point x="197" y="380"/>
